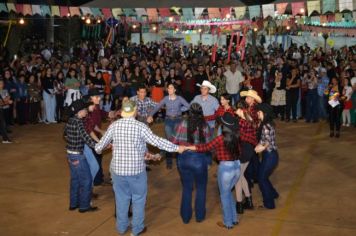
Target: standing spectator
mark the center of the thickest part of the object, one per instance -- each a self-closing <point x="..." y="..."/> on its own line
<point x="346" y="97"/>
<point x="188" y="85"/>
<point x="323" y="83"/>
<point x="353" y="99"/>
<point x="59" y="90"/>
<point x="49" y="96"/>
<point x="22" y="100"/>
<point x="233" y="82"/>
<point x="293" y="86"/>
<point x="334" y="97"/>
<point x="312" y="104"/>
<point x="4" y="104"/>
<point x="278" y="100"/>
<point x="200" y="76"/>
<point x="10" y="86"/>
<point x="72" y="86"/>
<point x="34" y="92"/>
<point x="218" y="79"/>
<point x="129" y="137"/>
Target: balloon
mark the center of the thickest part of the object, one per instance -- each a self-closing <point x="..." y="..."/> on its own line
<point x="330" y="42"/>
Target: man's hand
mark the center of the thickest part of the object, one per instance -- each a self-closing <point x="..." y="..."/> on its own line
<point x="259" y="148"/>
<point x="149" y="119"/>
<point x="181" y="149"/>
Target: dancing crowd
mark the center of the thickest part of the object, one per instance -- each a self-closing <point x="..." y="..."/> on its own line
<point x="220" y="109"/>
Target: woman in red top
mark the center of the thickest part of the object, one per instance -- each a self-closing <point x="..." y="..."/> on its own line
<point x="227" y="151"/>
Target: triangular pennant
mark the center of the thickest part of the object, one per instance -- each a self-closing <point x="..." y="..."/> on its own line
<point x="281" y="8"/>
<point x="254" y="11"/>
<point x="240" y="12"/>
<point x="3" y="7"/>
<point x="86" y="11"/>
<point x="329" y="6"/>
<point x="11" y="7"/>
<point x="298" y="8"/>
<point x="268" y="10"/>
<point x="313" y="6"/>
<point x="45" y="10"/>
<point x="74" y="11"/>
<point x="55" y="11"/>
<point x="198" y="11"/>
<point x="141" y="12"/>
<point x="64" y="11"/>
<point x="188" y="13"/>
<point x="345" y="5"/>
<point x="36" y="9"/>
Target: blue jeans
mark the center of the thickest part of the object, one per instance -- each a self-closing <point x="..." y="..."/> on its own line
<point x="193" y="169"/>
<point x="269" y="162"/>
<point x="130" y="189"/>
<point x="312" y="105"/>
<point x="228" y="175"/>
<point x="169" y="127"/>
<point x="80" y="181"/>
<point x="50" y="105"/>
<point x="322" y="107"/>
<point x="235" y="98"/>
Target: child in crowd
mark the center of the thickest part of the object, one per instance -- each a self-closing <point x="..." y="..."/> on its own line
<point x="346" y="95"/>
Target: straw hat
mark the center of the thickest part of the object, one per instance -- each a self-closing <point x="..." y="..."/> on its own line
<point x="128" y="109"/>
<point x="251" y="93"/>
<point x="212" y="88"/>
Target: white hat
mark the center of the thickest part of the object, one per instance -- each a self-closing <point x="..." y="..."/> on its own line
<point x="212" y="88"/>
<point x="322" y="70"/>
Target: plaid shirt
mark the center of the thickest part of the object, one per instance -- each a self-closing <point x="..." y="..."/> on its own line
<point x="219" y="113"/>
<point x="143" y="107"/>
<point x="129" y="138"/>
<point x="268" y="136"/>
<point x="248" y="130"/>
<point x="76" y="135"/>
<point x="222" y="154"/>
<point x="181" y="134"/>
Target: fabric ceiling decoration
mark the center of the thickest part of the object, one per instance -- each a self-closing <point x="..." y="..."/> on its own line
<point x="36" y="9"/>
<point x="63" y="11"/>
<point x="117" y="12"/>
<point x="55" y="11"/>
<point x="298" y="8"/>
<point x="96" y="11"/>
<point x="107" y="12"/>
<point x="345" y="5"/>
<point x="281" y="8"/>
<point x="188" y="13"/>
<point x="86" y="11"/>
<point x="152" y="14"/>
<point x="198" y="11"/>
<point x="141" y="12"/>
<point x="129" y="12"/>
<point x="313" y="6"/>
<point x="240" y="12"/>
<point x="254" y="11"/>
<point x="329" y="6"/>
<point x="46" y="11"/>
<point x="3" y="7"/>
<point x="19" y="8"/>
<point x="176" y="10"/>
<point x="164" y="12"/>
<point x="74" y="11"/>
<point x="214" y="13"/>
<point x="268" y="10"/>
<point x="225" y="11"/>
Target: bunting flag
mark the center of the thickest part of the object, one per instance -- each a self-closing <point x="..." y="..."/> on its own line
<point x="268" y="10"/>
<point x="298" y="8"/>
<point x="164" y="12"/>
<point x="176" y="10"/>
<point x="230" y="47"/>
<point x="329" y="6"/>
<point x="338" y="17"/>
<point x="117" y="12"/>
<point x="74" y="11"/>
<point x="188" y="13"/>
<point x="27" y="9"/>
<point x="254" y="11"/>
<point x="237" y="42"/>
<point x="345" y="5"/>
<point x="11" y="7"/>
<point x="331" y="18"/>
<point x="129" y="12"/>
<point x="3" y="7"/>
<point x="198" y="11"/>
<point x="107" y="13"/>
<point x="19" y="8"/>
<point x="323" y="19"/>
<point x="281" y="8"/>
<point x="55" y="11"/>
<point x="240" y="12"/>
<point x="214" y="13"/>
<point x="63" y="11"/>
<point x="225" y="11"/>
<point x="152" y="14"/>
<point x="45" y="10"/>
<point x="313" y="6"/>
<point x="36" y="9"/>
<point x="86" y="11"/>
<point x="96" y="11"/>
<point x="140" y="12"/>
<point x="243" y="45"/>
<point x="354" y="15"/>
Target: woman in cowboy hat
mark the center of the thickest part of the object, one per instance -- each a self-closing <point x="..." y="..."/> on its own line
<point x="227" y="151"/>
<point x="267" y="145"/>
<point x="248" y="129"/>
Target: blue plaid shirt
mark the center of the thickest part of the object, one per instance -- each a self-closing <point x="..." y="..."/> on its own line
<point x="143" y="107"/>
<point x="323" y="84"/>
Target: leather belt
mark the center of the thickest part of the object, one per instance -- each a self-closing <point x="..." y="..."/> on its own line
<point x="74" y="152"/>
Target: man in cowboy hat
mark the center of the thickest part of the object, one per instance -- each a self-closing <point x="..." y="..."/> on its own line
<point x="209" y="104"/>
<point x="129" y="137"/>
<point x="248" y="137"/>
<point x="76" y="137"/>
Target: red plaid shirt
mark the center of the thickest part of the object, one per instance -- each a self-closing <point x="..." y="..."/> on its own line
<point x="217" y="144"/>
<point x="219" y="113"/>
<point x="248" y="130"/>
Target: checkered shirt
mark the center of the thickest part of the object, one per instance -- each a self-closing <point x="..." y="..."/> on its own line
<point x="144" y="107"/>
<point x="268" y="136"/>
<point x="76" y="135"/>
<point x="129" y="138"/>
<point x="217" y="145"/>
<point x="248" y="130"/>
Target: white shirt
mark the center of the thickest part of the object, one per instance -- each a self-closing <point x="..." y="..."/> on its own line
<point x="233" y="81"/>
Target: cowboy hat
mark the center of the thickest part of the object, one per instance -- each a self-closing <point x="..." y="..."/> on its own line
<point x="212" y="88"/>
<point x="128" y="109"/>
<point x="251" y="93"/>
<point x="78" y="105"/>
<point x="229" y="121"/>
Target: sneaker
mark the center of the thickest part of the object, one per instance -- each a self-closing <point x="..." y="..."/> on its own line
<point x="347" y="125"/>
<point x="6" y="141"/>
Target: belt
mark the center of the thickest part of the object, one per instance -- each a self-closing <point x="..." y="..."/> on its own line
<point x="173" y="117"/>
<point x="74" y="152"/>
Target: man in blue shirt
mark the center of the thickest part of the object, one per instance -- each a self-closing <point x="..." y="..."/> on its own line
<point x="323" y="83"/>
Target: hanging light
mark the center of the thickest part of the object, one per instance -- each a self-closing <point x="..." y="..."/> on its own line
<point x="98" y="21"/>
<point x="83" y="17"/>
<point x="68" y="14"/>
<point x="228" y="16"/>
<point x="21" y="21"/>
<point x="302" y="10"/>
<point x="170" y="19"/>
<point x="154" y="28"/>
<point x="134" y="26"/>
<point x="176" y="29"/>
<point x="255" y="29"/>
<point x="88" y="21"/>
<point x="199" y="30"/>
<point x="288" y="27"/>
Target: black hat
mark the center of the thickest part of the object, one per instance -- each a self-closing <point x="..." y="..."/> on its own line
<point x="266" y="109"/>
<point x="94" y="92"/>
<point x="78" y="105"/>
<point x="229" y="121"/>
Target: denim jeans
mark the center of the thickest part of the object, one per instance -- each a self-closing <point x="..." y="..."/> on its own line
<point x="235" y="98"/>
<point x="228" y="175"/>
<point x="50" y="105"/>
<point x="269" y="162"/>
<point x="80" y="181"/>
<point x="322" y="107"/>
<point x="312" y="105"/>
<point x="169" y="126"/>
<point x="130" y="189"/>
<point x="193" y="169"/>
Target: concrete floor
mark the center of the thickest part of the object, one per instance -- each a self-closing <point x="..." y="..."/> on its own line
<point x="315" y="178"/>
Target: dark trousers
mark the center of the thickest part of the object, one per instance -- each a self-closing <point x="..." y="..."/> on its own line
<point x="268" y="164"/>
<point x="3" y="130"/>
<point x="34" y="112"/>
<point x="99" y="177"/>
<point x="335" y="118"/>
<point x="22" y="111"/>
<point x="292" y="100"/>
<point x="251" y="173"/>
<point x="59" y="107"/>
<point x="193" y="170"/>
<point x="312" y="105"/>
<point x="7" y="116"/>
<point x="279" y="111"/>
